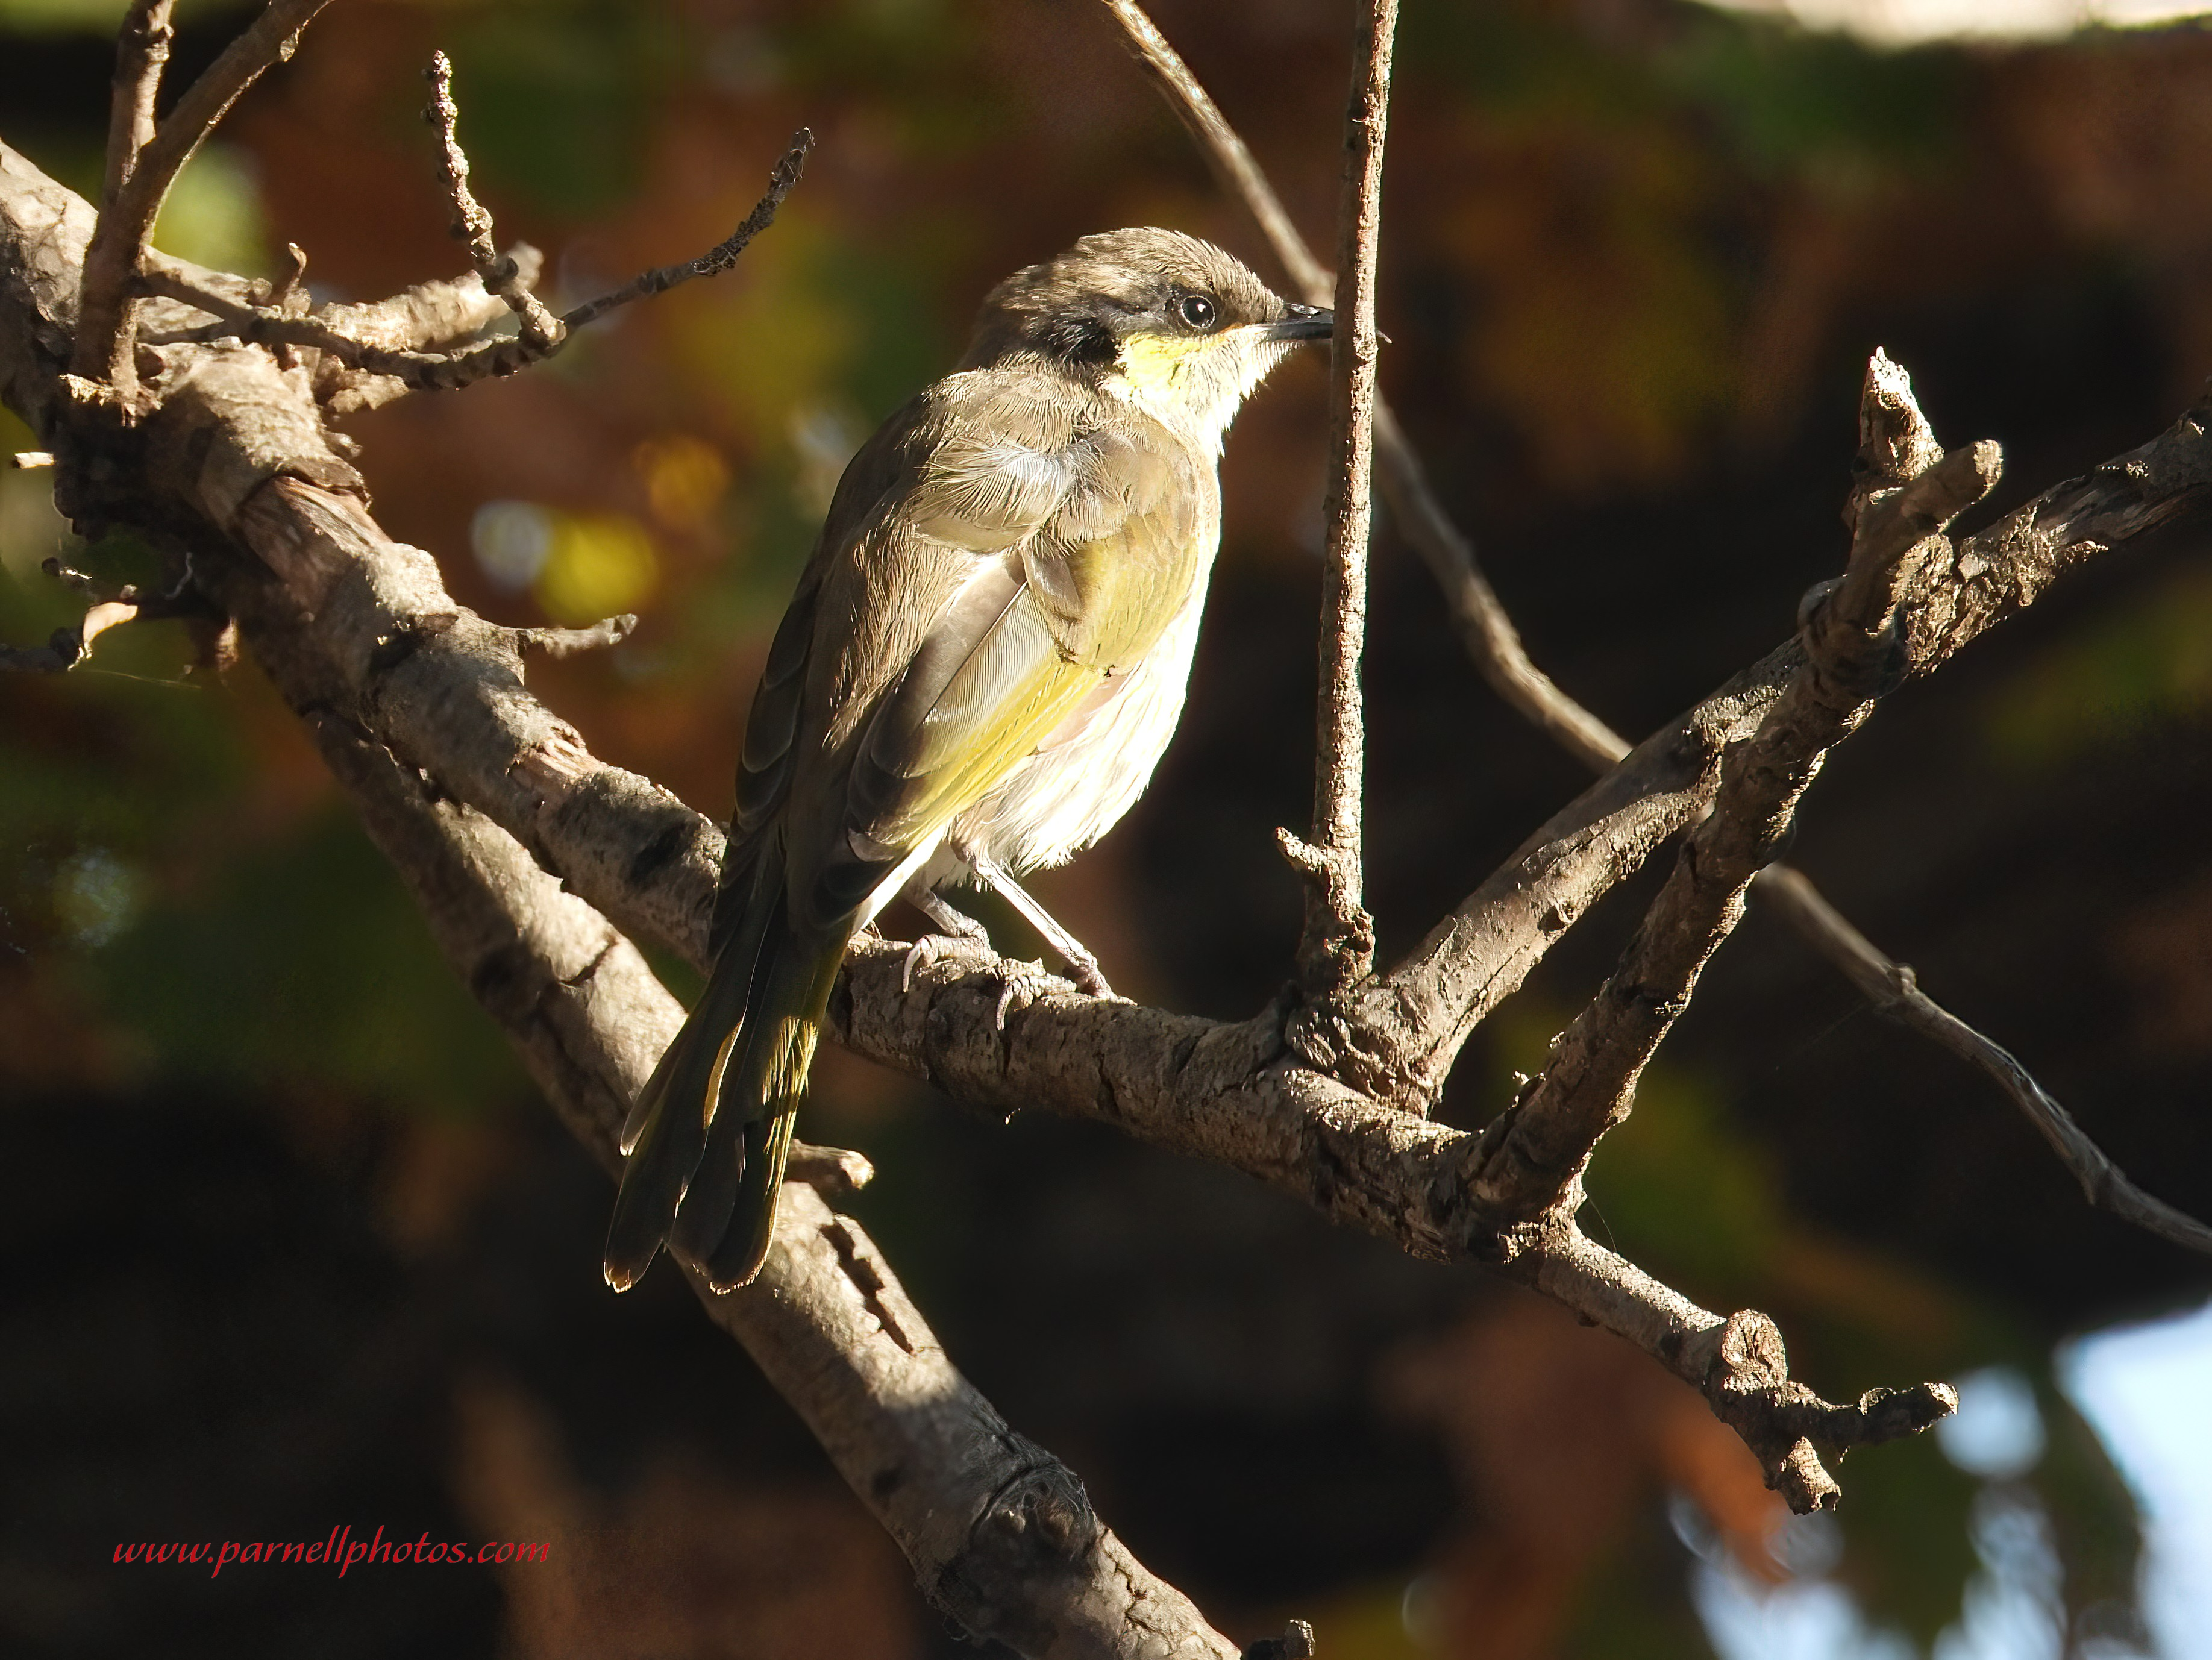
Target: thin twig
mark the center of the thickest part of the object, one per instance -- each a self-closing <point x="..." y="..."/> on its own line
<point x="1338" y="949"/>
<point x="1231" y="160"/>
<point x="141" y="52"/>
<point x="105" y="343"/>
<point x="289" y="291"/>
<point x="338" y="329"/>
<point x="719" y="257"/>
<point x="570" y="642"/>
<point x="1485" y="627"/>
<point x="1893" y="990"/>
<point x="541" y="330"/>
<point x="500" y="357"/>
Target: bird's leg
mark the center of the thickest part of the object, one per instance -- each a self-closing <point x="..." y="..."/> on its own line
<point x="1019" y="983"/>
<point x="958" y="933"/>
<point x="1073" y="950"/>
<point x="956" y="924"/>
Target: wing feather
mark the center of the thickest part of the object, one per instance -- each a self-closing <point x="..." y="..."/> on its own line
<point x="1013" y="563"/>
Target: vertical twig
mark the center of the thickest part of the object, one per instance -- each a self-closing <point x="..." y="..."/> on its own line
<point x="541" y="330"/>
<point x="1339" y="946"/>
<point x="1488" y="633"/>
<point x="141" y="52"/>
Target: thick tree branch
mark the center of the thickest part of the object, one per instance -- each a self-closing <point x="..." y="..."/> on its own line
<point x="1232" y="1094"/>
<point x="237" y="444"/>
<point x="1338" y="949"/>
<point x="1000" y="1534"/>
<point x="368" y="354"/>
<point x="441" y="685"/>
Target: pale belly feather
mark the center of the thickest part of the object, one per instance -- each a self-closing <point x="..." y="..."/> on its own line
<point x="1076" y="785"/>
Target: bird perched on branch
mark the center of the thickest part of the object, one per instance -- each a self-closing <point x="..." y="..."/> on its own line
<point x="985" y="658"/>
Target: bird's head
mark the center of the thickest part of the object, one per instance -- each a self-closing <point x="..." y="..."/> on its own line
<point x="1163" y="319"/>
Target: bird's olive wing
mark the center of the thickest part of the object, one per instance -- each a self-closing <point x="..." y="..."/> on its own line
<point x="872" y="485"/>
<point x="1027" y="637"/>
<point x="1112" y="567"/>
<point x="1003" y="456"/>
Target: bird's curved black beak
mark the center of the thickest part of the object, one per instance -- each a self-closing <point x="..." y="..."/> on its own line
<point x="1303" y="323"/>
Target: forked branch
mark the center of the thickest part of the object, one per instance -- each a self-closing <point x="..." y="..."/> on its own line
<point x="1488" y="632"/>
<point x="144" y="173"/>
<point x="1000" y="1534"/>
<point x="1537" y="1151"/>
<point x="394" y="342"/>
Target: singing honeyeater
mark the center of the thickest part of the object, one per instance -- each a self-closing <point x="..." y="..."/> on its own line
<point x="985" y="657"/>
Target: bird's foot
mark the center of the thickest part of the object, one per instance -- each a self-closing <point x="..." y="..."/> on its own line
<point x="1020" y="984"/>
<point x="1084" y="971"/>
<point x="939" y="947"/>
<point x="1082" y="966"/>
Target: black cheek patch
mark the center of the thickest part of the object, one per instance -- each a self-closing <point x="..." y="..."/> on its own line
<point x="1080" y="341"/>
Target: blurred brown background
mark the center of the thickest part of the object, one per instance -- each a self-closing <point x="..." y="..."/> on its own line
<point x="294" y="1244"/>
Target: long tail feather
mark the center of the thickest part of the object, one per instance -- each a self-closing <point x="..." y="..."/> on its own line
<point x="745" y="1247"/>
<point x="728" y="1217"/>
<point x="668" y="1130"/>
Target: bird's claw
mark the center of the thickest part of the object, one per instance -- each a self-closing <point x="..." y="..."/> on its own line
<point x="1026" y="981"/>
<point x="1020" y="983"/>
<point x="1085" y="972"/>
<point x="935" y="947"/>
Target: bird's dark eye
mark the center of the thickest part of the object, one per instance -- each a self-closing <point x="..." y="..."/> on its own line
<point x="1197" y="311"/>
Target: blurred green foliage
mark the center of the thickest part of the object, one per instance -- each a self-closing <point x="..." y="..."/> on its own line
<point x="560" y="95"/>
<point x="310" y="969"/>
<point x="2144" y="666"/>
